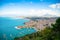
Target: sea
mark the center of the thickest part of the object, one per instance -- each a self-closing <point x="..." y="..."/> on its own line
<point x="8" y="30"/>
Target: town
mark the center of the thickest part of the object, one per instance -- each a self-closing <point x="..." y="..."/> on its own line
<point x="39" y="23"/>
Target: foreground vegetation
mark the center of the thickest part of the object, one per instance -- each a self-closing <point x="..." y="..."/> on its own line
<point x="46" y="34"/>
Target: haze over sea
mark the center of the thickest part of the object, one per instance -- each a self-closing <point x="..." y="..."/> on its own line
<point x="8" y="30"/>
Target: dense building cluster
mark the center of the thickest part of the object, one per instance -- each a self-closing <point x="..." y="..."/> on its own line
<point x="39" y="23"/>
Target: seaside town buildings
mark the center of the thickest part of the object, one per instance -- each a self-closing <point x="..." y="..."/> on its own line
<point x="39" y="24"/>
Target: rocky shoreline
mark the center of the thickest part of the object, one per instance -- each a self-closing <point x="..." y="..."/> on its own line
<point x="39" y="24"/>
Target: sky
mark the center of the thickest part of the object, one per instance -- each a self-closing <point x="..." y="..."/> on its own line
<point x="13" y="8"/>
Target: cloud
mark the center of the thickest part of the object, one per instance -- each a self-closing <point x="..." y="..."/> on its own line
<point x="12" y="11"/>
<point x="47" y="11"/>
<point x="58" y="5"/>
<point x="28" y="12"/>
<point x="54" y="6"/>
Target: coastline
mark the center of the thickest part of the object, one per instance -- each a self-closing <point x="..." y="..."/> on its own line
<point x="39" y="24"/>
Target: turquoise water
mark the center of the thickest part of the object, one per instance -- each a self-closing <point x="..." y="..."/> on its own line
<point x="8" y="30"/>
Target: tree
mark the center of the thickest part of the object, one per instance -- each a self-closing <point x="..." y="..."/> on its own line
<point x="56" y="29"/>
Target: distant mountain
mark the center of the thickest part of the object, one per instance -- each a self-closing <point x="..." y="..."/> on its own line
<point x="49" y="15"/>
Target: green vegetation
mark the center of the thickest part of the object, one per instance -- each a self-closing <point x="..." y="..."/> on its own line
<point x="46" y="34"/>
